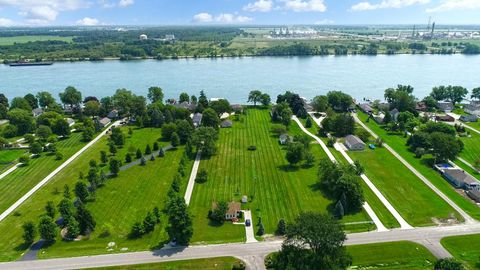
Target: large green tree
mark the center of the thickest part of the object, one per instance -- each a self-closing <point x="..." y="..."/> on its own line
<point x="476" y="93"/>
<point x="155" y="94"/>
<point x="21" y="119"/>
<point x="210" y="118"/>
<point x="71" y="96"/>
<point x="45" y="99"/>
<point x="47" y="229"/>
<point x="204" y="139"/>
<point x="255" y="97"/>
<point x="180" y="223"/>
<point x="314" y="241"/>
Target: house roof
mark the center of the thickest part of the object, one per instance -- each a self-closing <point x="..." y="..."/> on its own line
<point x="394" y="111"/>
<point x="353" y="140"/>
<point x="469" y="117"/>
<point x="284" y="137"/>
<point x="365" y="107"/>
<point x="233" y="207"/>
<point x="461" y="177"/>
<point x="37" y="111"/>
<point x="445" y="105"/>
<point x="105" y="121"/>
<point x="444" y="118"/>
<point x="197" y="118"/>
<point x="226" y="123"/>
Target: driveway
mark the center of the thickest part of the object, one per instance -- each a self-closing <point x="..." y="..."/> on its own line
<point x="249" y="232"/>
<point x="193" y="175"/>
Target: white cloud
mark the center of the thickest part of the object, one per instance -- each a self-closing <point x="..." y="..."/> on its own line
<point x="260" y="6"/>
<point x="45" y="11"/>
<point x="231" y="18"/>
<point x="202" y="17"/>
<point x="362" y="6"/>
<point x="4" y="22"/>
<point x="126" y="3"/>
<point x="447" y="5"/>
<point x="305" y="6"/>
<point x="87" y="21"/>
<point x="325" y="21"/>
<point x="224" y="18"/>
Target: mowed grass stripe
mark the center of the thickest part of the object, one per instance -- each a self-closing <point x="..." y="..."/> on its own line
<point x="416" y="202"/>
<point x="276" y="190"/>
<point x="397" y="142"/>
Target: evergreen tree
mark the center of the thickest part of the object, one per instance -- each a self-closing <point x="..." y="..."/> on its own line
<point x="128" y="158"/>
<point x="72" y="228"/>
<point x="261" y="229"/>
<point x="81" y="191"/>
<point x="180" y="222"/>
<point x="66" y="210"/>
<point x="143" y="161"/>
<point x="175" y="139"/>
<point x="47" y="229"/>
<point x="152" y="158"/>
<point x="115" y="165"/>
<point x="155" y="146"/>
<point x="112" y="148"/>
<point x="308" y="123"/>
<point x="66" y="192"/>
<point x="149" y="222"/>
<point x="281" y="227"/>
<point x="137" y="230"/>
<point x="156" y="214"/>
<point x="161" y="153"/>
<point x="85" y="219"/>
<point x="29" y="232"/>
<point x="148" y="150"/>
<point x="50" y="209"/>
<point x="103" y="157"/>
<point x="138" y="154"/>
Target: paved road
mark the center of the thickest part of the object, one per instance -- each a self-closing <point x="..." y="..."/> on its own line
<point x="431" y="234"/>
<point x="468" y="218"/>
<point x="193" y="175"/>
<point x="9" y="171"/>
<point x="403" y="223"/>
<point x="52" y="174"/>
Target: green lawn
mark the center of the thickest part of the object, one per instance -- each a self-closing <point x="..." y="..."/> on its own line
<point x="378" y="207"/>
<point x="397" y="142"/>
<point x="464" y="248"/>
<point x="24" y="39"/>
<point x="24" y="178"/>
<point x="276" y="191"/>
<point x="223" y="263"/>
<point x="395" y="255"/>
<point x="122" y="201"/>
<point x="471" y="151"/>
<point x="415" y="201"/>
<point x="9" y="156"/>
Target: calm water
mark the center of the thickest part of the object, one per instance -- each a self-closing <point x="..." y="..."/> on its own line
<point x="233" y="78"/>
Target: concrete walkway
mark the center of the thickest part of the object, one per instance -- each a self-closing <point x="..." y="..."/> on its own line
<point x="403" y="223"/>
<point x="468" y="218"/>
<point x="370" y="211"/>
<point x="52" y="174"/>
<point x="193" y="175"/>
<point x="249" y="232"/>
<point x="9" y="171"/>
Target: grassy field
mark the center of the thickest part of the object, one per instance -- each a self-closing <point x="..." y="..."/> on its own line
<point x="397" y="142"/>
<point x="378" y="207"/>
<point x="464" y="248"/>
<point x="8" y="157"/>
<point x="275" y="190"/>
<point x="223" y="263"/>
<point x="471" y="151"/>
<point x="24" y="39"/>
<point x="395" y="255"/>
<point x="20" y="181"/>
<point x="416" y="202"/>
<point x="122" y="201"/>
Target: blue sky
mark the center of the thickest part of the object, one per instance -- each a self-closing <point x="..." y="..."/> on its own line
<point x="191" y="12"/>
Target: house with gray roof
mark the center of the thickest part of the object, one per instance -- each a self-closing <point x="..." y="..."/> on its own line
<point x="394" y="114"/>
<point x="366" y="108"/>
<point x="226" y="124"/>
<point x="473" y="108"/>
<point x="460" y="179"/>
<point x="37" y="112"/>
<point x="445" y="106"/>
<point x="469" y="118"/>
<point x="474" y="195"/>
<point x="284" y="139"/>
<point x="353" y="143"/>
<point x="113" y="114"/>
<point x="197" y="120"/>
<point x="104" y="122"/>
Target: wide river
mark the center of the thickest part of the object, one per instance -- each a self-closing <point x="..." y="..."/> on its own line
<point x="233" y="78"/>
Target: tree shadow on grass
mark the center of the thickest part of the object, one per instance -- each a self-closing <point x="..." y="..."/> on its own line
<point x="428" y="162"/>
<point x="288" y="168"/>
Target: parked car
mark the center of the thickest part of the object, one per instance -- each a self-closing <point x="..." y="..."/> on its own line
<point x="248" y="223"/>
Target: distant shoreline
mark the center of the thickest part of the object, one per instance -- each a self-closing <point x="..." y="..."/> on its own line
<point x="224" y="56"/>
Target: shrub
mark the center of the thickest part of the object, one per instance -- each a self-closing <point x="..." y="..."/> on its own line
<point x="25" y="159"/>
<point x="202" y="176"/>
<point x="252" y="148"/>
<point x="238" y="266"/>
<point x="331" y="141"/>
<point x="58" y="156"/>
